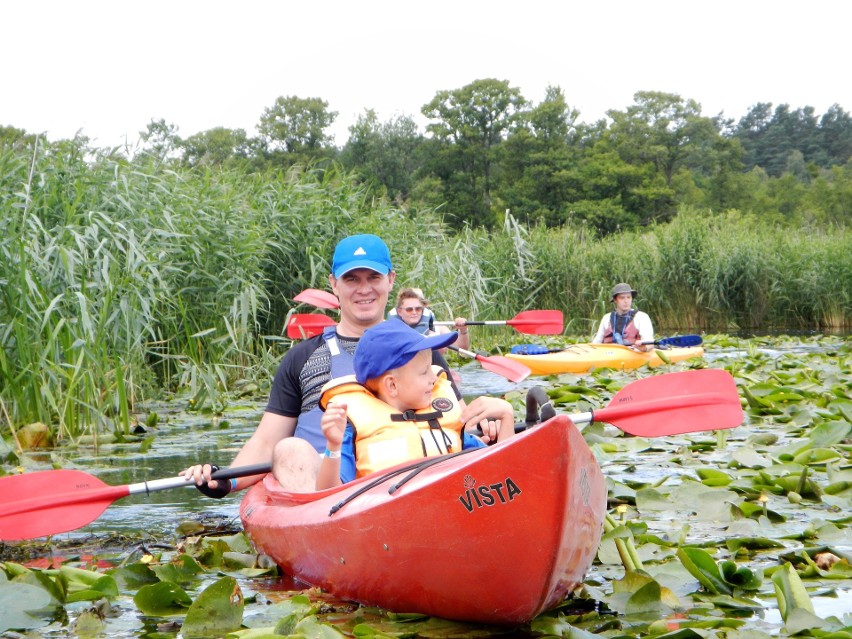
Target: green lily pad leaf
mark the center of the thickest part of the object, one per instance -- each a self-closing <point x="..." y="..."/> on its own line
<point x="298" y="606"/>
<point x="799" y="620"/>
<point x="558" y="627"/>
<point x="713" y="477"/>
<point x="790" y="592"/>
<point x="21" y="604"/>
<point x="730" y="603"/>
<point x="747" y="457"/>
<point x="183" y="570"/>
<point x="793" y="483"/>
<point x="162" y="599"/>
<point x="829" y="433"/>
<point x="816" y="456"/>
<point x="646" y="599"/>
<point x="739" y="576"/>
<point x="217" y="611"/>
<point x="753" y="543"/>
<point x="649" y="499"/>
<point x="89" y="624"/>
<point x="105" y="586"/>
<point x="755" y="511"/>
<point x="784" y="396"/>
<point x="700" y="565"/>
<point x="133" y="577"/>
<point x="54" y="585"/>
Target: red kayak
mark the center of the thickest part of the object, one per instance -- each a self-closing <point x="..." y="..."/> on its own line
<point x="495" y="535"/>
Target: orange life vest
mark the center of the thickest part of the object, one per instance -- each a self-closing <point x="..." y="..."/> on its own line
<point x="385" y="437"/>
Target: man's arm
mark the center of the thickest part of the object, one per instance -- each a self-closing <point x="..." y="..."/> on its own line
<point x="644" y="326"/>
<point x="258" y="448"/>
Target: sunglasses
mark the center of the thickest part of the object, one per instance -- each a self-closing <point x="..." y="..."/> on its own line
<point x="412" y="309"/>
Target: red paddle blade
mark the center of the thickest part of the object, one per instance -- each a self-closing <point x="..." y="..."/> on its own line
<point x="538" y="322"/>
<point x="304" y="325"/>
<point x="675" y="403"/>
<point x="52" y="501"/>
<point x="510" y="369"/>
<point x="318" y="298"/>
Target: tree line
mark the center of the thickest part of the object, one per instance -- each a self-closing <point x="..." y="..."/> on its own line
<point x="488" y="150"/>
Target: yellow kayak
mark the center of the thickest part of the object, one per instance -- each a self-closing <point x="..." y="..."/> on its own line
<point x="581" y="358"/>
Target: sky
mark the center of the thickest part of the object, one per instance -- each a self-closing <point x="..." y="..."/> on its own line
<point x="107" y="68"/>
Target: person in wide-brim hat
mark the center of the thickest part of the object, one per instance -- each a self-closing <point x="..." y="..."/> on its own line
<point x="625" y="325"/>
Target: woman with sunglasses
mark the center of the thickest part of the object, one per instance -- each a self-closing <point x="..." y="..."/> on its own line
<point x="413" y="309"/>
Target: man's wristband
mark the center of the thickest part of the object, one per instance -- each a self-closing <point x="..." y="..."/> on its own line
<point x="332" y="454"/>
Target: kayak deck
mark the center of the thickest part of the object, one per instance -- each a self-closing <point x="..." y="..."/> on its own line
<point x="582" y="358"/>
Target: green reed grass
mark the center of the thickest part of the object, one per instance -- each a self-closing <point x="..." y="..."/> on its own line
<point x="125" y="279"/>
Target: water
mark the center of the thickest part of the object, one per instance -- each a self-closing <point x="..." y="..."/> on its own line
<point x="189" y="438"/>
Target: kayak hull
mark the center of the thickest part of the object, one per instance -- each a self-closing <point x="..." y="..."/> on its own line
<point x="582" y="358"/>
<point x="496" y="535"/>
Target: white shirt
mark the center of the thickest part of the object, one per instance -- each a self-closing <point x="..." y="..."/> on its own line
<point x="641" y="321"/>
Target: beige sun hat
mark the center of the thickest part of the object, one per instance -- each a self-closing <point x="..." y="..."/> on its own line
<point x="618" y="289"/>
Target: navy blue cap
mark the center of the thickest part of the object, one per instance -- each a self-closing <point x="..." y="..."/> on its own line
<point x="390" y="345"/>
<point x="361" y="251"/>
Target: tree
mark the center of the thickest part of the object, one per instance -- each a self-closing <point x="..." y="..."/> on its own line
<point x="769" y="140"/>
<point x="836" y="128"/>
<point x="539" y="161"/>
<point x="12" y="138"/>
<point x="384" y="154"/>
<point x="296" y="127"/>
<point x="215" y="146"/>
<point x="470" y="124"/>
<point x="662" y="134"/>
<point x="160" y="139"/>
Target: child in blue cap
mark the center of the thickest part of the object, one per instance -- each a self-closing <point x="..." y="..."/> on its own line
<point x="398" y="407"/>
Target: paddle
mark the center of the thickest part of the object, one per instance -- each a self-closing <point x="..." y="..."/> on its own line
<point x="55" y="501"/>
<point x="528" y="322"/>
<point x="304" y="325"/>
<point x="318" y="298"/>
<point x="511" y="370"/>
<point x="672" y="404"/>
<point x="678" y="341"/>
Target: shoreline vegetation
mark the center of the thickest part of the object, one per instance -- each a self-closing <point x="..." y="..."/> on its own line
<point x="126" y="279"/>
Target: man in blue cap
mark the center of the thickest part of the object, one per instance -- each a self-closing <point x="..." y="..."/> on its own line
<point x="397" y="407"/>
<point x="361" y="277"/>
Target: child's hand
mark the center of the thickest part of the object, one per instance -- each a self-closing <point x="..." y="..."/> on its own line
<point x="333" y="424"/>
<point x="494" y="416"/>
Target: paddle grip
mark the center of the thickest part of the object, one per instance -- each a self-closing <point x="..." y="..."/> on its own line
<point x="242" y="471"/>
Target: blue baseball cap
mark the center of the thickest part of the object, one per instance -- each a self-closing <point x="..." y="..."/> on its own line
<point x="361" y="251"/>
<point x="390" y="345"/>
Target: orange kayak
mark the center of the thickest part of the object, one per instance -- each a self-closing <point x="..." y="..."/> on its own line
<point x="495" y="535"/>
<point x="581" y="358"/>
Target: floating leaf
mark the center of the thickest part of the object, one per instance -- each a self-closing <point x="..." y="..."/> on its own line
<point x="182" y="570"/>
<point x="790" y="592"/>
<point x="753" y="543"/>
<point x="21" y="604"/>
<point x="713" y="477"/>
<point x="162" y="599"/>
<point x="816" y="456"/>
<point x="829" y="433"/>
<point x="217" y="611"/>
<point x="701" y="566"/>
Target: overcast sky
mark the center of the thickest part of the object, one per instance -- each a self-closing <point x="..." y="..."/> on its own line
<point x="109" y="67"/>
